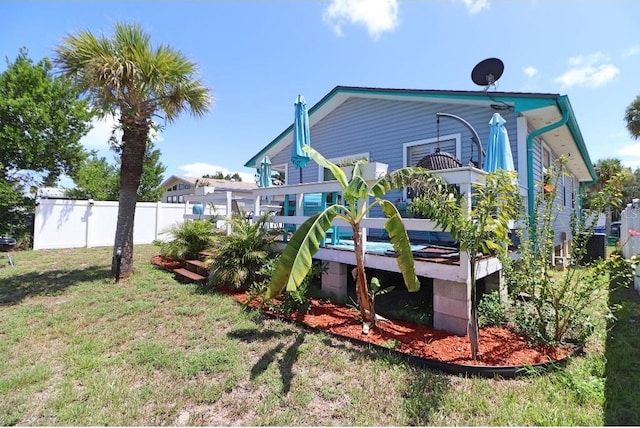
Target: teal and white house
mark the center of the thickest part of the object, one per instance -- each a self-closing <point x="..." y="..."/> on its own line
<point x="399" y="127"/>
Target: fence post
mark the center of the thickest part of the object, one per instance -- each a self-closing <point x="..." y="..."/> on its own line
<point x="89" y="230"/>
<point x="158" y="219"/>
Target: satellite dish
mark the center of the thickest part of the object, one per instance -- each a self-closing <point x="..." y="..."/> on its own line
<point x="487" y="72"/>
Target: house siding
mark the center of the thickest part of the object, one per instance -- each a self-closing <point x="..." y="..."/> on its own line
<point x="381" y="127"/>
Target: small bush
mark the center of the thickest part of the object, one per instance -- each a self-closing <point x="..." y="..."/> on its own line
<point x="238" y="258"/>
<point x="292" y="301"/>
<point x="491" y="312"/>
<point x="188" y="239"/>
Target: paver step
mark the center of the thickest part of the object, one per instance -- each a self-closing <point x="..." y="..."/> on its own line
<point x="189" y="275"/>
<point x="204" y="254"/>
<point x="197" y="266"/>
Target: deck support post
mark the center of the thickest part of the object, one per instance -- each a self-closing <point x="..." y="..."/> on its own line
<point x="334" y="281"/>
<point x="451" y="306"/>
<point x="495" y="281"/>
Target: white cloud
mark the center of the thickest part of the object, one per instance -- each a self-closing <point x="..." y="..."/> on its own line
<point x="587" y="60"/>
<point x="633" y="50"/>
<point x="378" y="16"/>
<point x="198" y="169"/>
<point x="98" y="136"/>
<point x="475" y="6"/>
<point x="631" y="150"/>
<point x="530" y="71"/>
<point x="588" y="71"/>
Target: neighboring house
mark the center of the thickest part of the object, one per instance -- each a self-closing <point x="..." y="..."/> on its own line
<point x="51" y="193"/>
<point x="399" y="127"/>
<point x="179" y="189"/>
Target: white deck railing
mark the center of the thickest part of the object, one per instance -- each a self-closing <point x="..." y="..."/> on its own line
<point x="464" y="177"/>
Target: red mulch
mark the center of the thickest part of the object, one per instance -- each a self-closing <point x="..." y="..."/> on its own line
<point x="499" y="346"/>
<point x="166" y="262"/>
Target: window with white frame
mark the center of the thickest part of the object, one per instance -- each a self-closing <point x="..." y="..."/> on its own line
<point x="416" y="150"/>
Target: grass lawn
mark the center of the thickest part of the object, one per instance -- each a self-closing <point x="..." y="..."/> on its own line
<point x="77" y="349"/>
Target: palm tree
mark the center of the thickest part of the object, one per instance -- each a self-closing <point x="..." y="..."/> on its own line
<point x="632" y="117"/>
<point x="124" y="75"/>
<point x="296" y="259"/>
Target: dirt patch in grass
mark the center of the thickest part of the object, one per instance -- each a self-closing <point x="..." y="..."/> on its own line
<point x="499" y="346"/>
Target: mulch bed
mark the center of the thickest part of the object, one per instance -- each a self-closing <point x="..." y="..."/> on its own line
<point x="499" y="346"/>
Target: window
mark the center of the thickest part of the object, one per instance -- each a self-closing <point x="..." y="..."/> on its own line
<point x="168" y="199"/>
<point x="180" y="199"/>
<point x="174" y="199"/>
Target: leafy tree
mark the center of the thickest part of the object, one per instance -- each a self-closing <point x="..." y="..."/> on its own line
<point x="220" y="176"/>
<point x="296" y="259"/>
<point x="152" y="176"/>
<point x="42" y="120"/>
<point x="480" y="229"/>
<point x="126" y="76"/>
<point x="631" y="187"/>
<point x="98" y="179"/>
<point x="606" y="169"/>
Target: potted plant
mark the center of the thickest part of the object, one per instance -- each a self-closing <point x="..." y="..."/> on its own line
<point x="368" y="170"/>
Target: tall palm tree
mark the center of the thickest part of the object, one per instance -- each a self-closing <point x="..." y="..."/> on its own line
<point x="125" y="76"/>
<point x="632" y="117"/>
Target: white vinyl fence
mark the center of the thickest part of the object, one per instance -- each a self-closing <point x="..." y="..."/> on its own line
<point x="630" y="242"/>
<point x="64" y="223"/>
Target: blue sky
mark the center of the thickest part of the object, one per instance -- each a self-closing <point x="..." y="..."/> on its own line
<point x="258" y="56"/>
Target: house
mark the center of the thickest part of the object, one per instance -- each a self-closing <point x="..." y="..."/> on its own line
<point x="401" y="126"/>
<point x="179" y="189"/>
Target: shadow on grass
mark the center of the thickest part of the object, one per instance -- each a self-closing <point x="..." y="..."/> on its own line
<point x="622" y="371"/>
<point x="286" y="362"/>
<point x="16" y="288"/>
<point x="421" y="396"/>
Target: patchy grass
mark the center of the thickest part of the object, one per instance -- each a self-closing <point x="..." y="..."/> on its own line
<point x="77" y="349"/>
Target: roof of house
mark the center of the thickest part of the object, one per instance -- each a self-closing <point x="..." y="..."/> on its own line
<point x="213" y="182"/>
<point x="540" y="109"/>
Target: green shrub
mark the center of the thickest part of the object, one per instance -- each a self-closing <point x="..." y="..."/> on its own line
<point x="292" y="300"/>
<point x="238" y="257"/>
<point x="551" y="306"/>
<point x="491" y="312"/>
<point x="188" y="239"/>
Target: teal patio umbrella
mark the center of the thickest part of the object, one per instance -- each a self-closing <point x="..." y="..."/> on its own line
<point x="264" y="179"/>
<point x="498" y="147"/>
<point x="301" y="135"/>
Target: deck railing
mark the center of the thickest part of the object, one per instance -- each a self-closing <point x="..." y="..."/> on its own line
<point x="463" y="177"/>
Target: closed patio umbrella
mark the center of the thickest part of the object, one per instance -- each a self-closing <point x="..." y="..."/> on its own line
<point x="301" y="135"/>
<point x="264" y="179"/>
<point x="498" y="147"/>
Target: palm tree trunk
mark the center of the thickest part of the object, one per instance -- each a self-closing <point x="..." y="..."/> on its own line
<point x="131" y="163"/>
<point x="362" y="288"/>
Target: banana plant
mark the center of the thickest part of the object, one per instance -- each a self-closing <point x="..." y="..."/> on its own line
<point x="296" y="258"/>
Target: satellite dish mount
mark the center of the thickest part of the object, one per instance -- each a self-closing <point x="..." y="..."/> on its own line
<point x="487" y="72"/>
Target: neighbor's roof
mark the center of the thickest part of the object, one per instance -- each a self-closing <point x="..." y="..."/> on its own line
<point x="213" y="182"/>
<point x="540" y="109"/>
